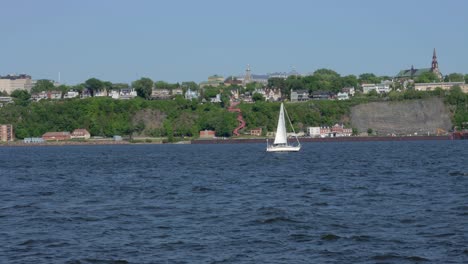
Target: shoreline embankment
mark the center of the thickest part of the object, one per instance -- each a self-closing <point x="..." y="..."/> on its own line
<point x="229" y="141"/>
<point x="333" y="139"/>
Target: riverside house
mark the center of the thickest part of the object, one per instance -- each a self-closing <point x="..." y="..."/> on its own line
<point x="80" y="133"/>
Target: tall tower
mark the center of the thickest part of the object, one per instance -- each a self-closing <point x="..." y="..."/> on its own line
<point x="435" y="65"/>
<point x="248" y="76"/>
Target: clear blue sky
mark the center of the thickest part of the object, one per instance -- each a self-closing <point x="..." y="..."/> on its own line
<point x="175" y="41"/>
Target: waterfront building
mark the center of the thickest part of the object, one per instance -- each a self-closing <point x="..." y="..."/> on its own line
<point x="32" y="140"/>
<point x="207" y="134"/>
<point x="6" y="133"/>
<point x="57" y="136"/>
<point x="256" y="132"/>
<point x="412" y="73"/>
<point x="80" y="133"/>
<point x="12" y="82"/>
<point x="338" y="130"/>
<point x="313" y="131"/>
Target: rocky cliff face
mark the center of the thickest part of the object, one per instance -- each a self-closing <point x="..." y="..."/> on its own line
<point x="402" y="118"/>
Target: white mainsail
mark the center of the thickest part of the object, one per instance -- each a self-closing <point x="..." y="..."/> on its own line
<point x="281" y="137"/>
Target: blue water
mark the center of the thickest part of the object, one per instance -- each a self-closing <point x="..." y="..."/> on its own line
<point x="356" y="202"/>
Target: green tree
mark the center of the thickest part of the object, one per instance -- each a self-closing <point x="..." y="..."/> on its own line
<point x="258" y="97"/>
<point x="330" y="74"/>
<point x="368" y="78"/>
<point x="454" y="77"/>
<point x="370" y="131"/>
<point x="94" y="85"/>
<point x="466" y="78"/>
<point x="79" y="88"/>
<point x="373" y="93"/>
<point x="349" y="81"/>
<point x="43" y="85"/>
<point x="21" y="97"/>
<point x="143" y="87"/>
<point x="63" y="89"/>
<point x="427" y="77"/>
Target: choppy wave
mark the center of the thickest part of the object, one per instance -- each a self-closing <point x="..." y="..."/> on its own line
<point x="348" y="202"/>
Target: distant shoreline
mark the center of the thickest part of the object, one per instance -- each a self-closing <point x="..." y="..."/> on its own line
<point x="65" y="143"/>
<point x="223" y="141"/>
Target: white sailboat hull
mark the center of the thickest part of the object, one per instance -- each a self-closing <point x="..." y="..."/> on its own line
<point x="283" y="148"/>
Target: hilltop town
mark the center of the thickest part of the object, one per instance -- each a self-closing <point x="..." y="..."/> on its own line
<point x="232" y="106"/>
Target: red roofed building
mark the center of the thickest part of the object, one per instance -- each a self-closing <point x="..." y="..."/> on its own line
<point x="56" y="136"/>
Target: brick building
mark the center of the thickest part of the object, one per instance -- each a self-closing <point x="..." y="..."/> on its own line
<point x="6" y="133"/>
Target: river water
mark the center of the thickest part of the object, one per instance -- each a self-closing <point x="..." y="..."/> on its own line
<point x="344" y="202"/>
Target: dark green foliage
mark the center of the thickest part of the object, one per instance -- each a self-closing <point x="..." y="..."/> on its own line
<point x="427" y="77"/>
<point x="454" y="77"/>
<point x="369" y="78"/>
<point x="143" y="87"/>
<point x="94" y="85"/>
<point x="21" y="97"/>
<point x="459" y="101"/>
<point x="43" y="85"/>
<point x="258" y="97"/>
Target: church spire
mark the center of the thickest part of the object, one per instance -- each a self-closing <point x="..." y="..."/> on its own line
<point x="435" y="65"/>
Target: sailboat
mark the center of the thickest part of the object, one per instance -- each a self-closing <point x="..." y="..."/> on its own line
<point x="281" y="140"/>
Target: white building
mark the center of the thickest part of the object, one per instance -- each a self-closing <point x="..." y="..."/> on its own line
<point x="313" y="131"/>
<point x="383" y="87"/>
<point x="189" y="94"/>
<point x="12" y="83"/>
<point x="342" y="96"/>
<point x="71" y="94"/>
<point x="216" y="99"/>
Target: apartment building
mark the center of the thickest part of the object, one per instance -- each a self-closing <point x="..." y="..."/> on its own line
<point x="6" y="133"/>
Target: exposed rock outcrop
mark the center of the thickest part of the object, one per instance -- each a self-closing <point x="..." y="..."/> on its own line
<point x="401" y="118"/>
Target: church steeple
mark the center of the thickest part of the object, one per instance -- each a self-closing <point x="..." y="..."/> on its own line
<point x="435" y="65"/>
